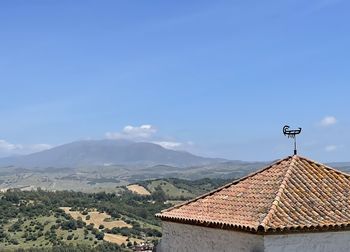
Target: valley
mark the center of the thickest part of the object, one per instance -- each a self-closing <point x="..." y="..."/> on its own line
<point x="42" y="220"/>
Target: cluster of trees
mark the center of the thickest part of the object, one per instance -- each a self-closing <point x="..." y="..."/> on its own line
<point x="135" y="231"/>
<point x="25" y="206"/>
<point x="195" y="187"/>
<point x="15" y="203"/>
<point x="29" y="204"/>
<point x="103" y="247"/>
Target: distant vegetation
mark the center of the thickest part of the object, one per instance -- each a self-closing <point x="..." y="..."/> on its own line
<point x="35" y="219"/>
<point x="75" y="221"/>
<point x="181" y="189"/>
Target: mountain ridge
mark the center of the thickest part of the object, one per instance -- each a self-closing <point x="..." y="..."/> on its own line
<point x="101" y="152"/>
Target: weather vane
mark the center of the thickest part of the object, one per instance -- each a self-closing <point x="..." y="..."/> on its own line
<point x="292" y="134"/>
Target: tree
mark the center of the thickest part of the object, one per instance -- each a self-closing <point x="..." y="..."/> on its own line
<point x="80" y="223"/>
<point x="107" y="247"/>
<point x="67" y="225"/>
<point x="159" y="195"/>
<point x="115" y="214"/>
<point x="100" y="236"/>
<point x="14" y="241"/>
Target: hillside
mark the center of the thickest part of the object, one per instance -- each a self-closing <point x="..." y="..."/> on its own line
<point x="95" y="222"/>
<point x="107" y="178"/>
<point x="181" y="189"/>
<point x="69" y="221"/>
<point x="343" y="166"/>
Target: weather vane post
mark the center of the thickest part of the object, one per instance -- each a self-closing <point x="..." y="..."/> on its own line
<point x="292" y="134"/>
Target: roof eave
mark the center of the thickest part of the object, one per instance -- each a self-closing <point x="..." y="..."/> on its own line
<point x="260" y="230"/>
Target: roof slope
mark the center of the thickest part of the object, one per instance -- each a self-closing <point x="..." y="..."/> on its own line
<point x="292" y="194"/>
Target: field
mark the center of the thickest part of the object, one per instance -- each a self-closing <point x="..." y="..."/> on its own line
<point x="169" y="189"/>
<point x="138" y="189"/>
<point x="97" y="219"/>
<point x="120" y="239"/>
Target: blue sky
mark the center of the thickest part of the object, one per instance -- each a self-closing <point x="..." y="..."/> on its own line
<point x="217" y="78"/>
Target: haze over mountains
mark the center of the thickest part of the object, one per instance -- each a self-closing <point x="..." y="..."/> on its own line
<point x="103" y="165"/>
<point x="107" y="152"/>
<point x="121" y="152"/>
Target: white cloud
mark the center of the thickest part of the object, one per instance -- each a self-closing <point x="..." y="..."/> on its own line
<point x="328" y="121"/>
<point x="6" y="146"/>
<point x="169" y="145"/>
<point x="136" y="133"/>
<point x="172" y="145"/>
<point x="148" y="133"/>
<point x="331" y="148"/>
<point x="39" y="147"/>
<point x="8" y="149"/>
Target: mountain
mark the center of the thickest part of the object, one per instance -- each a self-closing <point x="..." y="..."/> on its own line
<point x="343" y="166"/>
<point x="107" y="152"/>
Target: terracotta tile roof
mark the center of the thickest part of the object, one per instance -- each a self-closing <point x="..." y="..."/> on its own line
<point x="293" y="194"/>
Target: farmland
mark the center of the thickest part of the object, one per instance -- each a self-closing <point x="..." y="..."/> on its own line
<point x="96" y="218"/>
<point x="39" y="219"/>
<point x="36" y="219"/>
<point x="138" y="189"/>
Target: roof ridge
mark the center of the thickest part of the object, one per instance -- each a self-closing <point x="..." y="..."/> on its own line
<point x="275" y="202"/>
<point x="224" y="186"/>
<point x="325" y="166"/>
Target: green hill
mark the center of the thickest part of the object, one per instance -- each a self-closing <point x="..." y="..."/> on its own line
<point x="41" y="220"/>
<point x="181" y="189"/>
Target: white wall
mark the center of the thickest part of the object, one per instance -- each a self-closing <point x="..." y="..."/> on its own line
<point x="308" y="242"/>
<point x="181" y="237"/>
